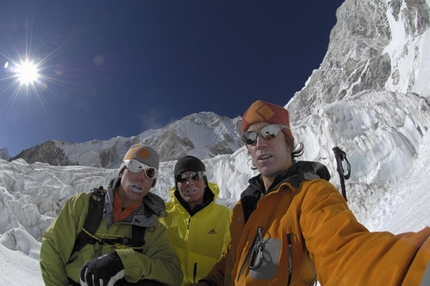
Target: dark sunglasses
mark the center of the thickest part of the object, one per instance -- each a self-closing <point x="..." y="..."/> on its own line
<point x="195" y="176"/>
<point x="135" y="166"/>
<point x="268" y="132"/>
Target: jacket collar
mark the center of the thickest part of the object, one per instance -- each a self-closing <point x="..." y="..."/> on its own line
<point x="295" y="175"/>
<point x="152" y="205"/>
<point x="208" y="197"/>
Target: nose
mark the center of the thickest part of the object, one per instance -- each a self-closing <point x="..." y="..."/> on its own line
<point x="260" y="141"/>
<point x="189" y="181"/>
<point x="141" y="176"/>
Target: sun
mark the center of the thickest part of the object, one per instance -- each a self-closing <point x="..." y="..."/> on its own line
<point x="27" y="72"/>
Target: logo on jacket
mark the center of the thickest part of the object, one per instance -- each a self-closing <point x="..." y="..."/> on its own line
<point x="212" y="231"/>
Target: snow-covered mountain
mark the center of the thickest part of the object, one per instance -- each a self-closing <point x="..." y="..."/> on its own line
<point x="203" y="134"/>
<point x="371" y="89"/>
<point x="370" y="97"/>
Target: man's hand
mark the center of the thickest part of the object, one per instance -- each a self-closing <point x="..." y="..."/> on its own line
<point x="102" y="271"/>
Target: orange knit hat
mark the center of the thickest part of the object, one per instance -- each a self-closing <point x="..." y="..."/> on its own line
<point x="262" y="111"/>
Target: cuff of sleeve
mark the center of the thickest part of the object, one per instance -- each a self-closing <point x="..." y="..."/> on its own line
<point x="133" y="271"/>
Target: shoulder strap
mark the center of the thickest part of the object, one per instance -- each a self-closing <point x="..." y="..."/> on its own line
<point x="93" y="219"/>
<point x="137" y="237"/>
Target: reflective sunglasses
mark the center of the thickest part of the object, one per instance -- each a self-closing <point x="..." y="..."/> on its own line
<point x="268" y="132"/>
<point x="195" y="176"/>
<point x="135" y="167"/>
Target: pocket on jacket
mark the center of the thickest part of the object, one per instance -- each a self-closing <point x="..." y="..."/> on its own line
<point x="264" y="262"/>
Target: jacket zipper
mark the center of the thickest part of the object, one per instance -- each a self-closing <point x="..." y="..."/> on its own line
<point x="195" y="272"/>
<point x="290" y="257"/>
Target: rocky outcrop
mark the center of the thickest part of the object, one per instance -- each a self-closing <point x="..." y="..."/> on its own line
<point x="4" y="154"/>
<point x="47" y="152"/>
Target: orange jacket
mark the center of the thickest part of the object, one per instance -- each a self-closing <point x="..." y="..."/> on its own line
<point x="303" y="230"/>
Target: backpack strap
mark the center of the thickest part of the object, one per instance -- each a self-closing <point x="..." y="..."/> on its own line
<point x="93" y="219"/>
<point x="137" y="238"/>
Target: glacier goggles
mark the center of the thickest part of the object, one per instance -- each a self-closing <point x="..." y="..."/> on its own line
<point x="195" y="176"/>
<point x="135" y="166"/>
<point x="268" y="132"/>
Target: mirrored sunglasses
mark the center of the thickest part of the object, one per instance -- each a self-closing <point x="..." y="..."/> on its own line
<point x="268" y="132"/>
<point x="195" y="176"/>
<point x="135" y="166"/>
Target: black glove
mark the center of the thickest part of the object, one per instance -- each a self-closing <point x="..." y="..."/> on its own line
<point x="102" y="271"/>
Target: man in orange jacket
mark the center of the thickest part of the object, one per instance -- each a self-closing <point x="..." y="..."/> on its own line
<point x="292" y="227"/>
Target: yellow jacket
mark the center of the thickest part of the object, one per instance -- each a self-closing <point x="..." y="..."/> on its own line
<point x="302" y="230"/>
<point x="201" y="239"/>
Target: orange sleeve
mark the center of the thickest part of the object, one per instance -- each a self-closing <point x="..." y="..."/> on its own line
<point x="344" y="251"/>
<point x="420" y="262"/>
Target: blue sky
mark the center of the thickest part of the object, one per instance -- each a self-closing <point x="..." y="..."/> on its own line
<point x="112" y="68"/>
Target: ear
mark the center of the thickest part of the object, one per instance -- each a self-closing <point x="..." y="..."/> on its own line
<point x="206" y="181"/>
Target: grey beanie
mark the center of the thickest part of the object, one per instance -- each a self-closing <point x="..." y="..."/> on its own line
<point x="188" y="163"/>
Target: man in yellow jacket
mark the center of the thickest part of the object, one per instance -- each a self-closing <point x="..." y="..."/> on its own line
<point x="198" y="227"/>
<point x="292" y="227"/>
<point x="111" y="257"/>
